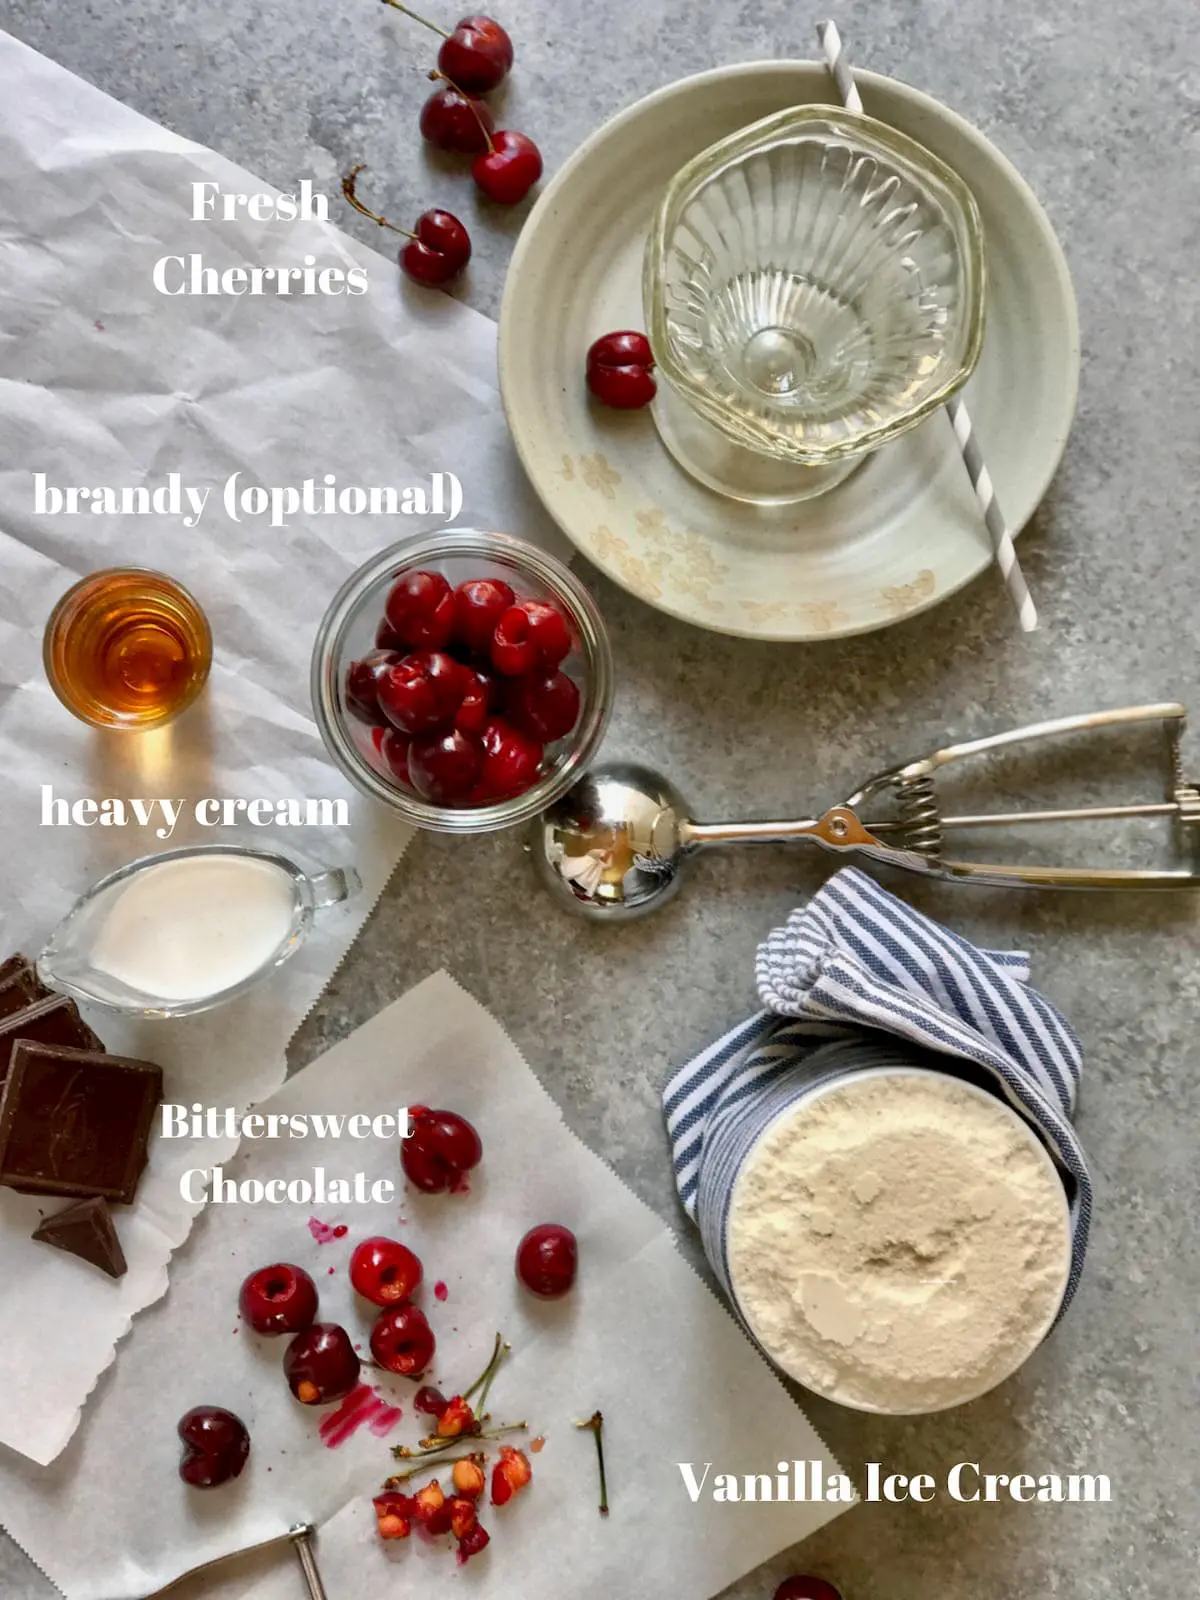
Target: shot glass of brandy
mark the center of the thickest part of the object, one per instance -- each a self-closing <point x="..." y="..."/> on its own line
<point x="127" y="648"/>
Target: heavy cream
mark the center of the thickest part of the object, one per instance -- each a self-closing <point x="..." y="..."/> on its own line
<point x="186" y="929"/>
<point x="899" y="1242"/>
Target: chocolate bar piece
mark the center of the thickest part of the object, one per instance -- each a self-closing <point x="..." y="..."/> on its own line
<point x="76" y="1122"/>
<point x="55" y="1021"/>
<point x="86" y="1230"/>
<point x="20" y="986"/>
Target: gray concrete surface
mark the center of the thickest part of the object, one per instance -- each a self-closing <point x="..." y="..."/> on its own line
<point x="1099" y="105"/>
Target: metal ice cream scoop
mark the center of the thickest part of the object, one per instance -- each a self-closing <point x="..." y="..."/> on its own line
<point x="614" y="846"/>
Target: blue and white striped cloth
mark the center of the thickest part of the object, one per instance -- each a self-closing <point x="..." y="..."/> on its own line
<point x="858" y="979"/>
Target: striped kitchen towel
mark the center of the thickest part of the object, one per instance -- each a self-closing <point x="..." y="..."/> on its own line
<point x="858" y="979"/>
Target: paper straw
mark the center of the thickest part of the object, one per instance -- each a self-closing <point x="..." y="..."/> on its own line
<point x="964" y="431"/>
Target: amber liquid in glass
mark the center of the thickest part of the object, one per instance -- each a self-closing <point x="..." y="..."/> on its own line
<point x="127" y="648"/>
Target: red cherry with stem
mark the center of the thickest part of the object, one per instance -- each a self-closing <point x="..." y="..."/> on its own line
<point x="445" y="767"/>
<point x="478" y="55"/>
<point x="430" y="1401"/>
<point x="478" y="606"/>
<point x="402" y="1340"/>
<point x="320" y="1364"/>
<point x="362" y="685"/>
<point x="456" y="122"/>
<point x="441" y="1148"/>
<point x="420" y="609"/>
<point x="509" y="168"/>
<point x="437" y="251"/>
<point x="384" y="1271"/>
<point x="279" y="1299"/>
<point x="620" y="370"/>
<point x="547" y="1260"/>
<point x="216" y="1445"/>
<point x="511" y="763"/>
<point x="543" y="704"/>
<point x="806" y="1588"/>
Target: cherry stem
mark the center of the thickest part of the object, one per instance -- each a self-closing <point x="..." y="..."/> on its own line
<point x="485" y="1379"/>
<point x="595" y="1424"/>
<point x="417" y="17"/>
<point x="403" y="1452"/>
<point x="438" y="76"/>
<point x="415" y="1472"/>
<point x="350" y="191"/>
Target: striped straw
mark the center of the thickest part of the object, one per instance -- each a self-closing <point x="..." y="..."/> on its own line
<point x="964" y="432"/>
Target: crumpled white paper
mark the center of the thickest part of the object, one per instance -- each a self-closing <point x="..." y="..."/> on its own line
<point x="640" y="1337"/>
<point x="105" y="382"/>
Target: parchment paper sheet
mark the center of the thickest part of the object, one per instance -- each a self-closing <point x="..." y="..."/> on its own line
<point x="640" y="1337"/>
<point x="105" y="382"/>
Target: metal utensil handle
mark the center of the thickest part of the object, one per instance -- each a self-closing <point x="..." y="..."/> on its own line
<point x="1007" y="877"/>
<point x="301" y="1538"/>
<point x="1166" y="711"/>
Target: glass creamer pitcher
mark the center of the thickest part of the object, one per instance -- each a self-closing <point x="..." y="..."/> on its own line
<point x="173" y="934"/>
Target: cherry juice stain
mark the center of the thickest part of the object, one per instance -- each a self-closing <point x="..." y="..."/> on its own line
<point x="324" y="1233"/>
<point x="440" y="1291"/>
<point x="363" y="1407"/>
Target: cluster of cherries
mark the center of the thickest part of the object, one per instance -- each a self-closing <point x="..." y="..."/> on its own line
<point x="464" y="690"/>
<point x="475" y="58"/>
<point x="321" y="1365"/>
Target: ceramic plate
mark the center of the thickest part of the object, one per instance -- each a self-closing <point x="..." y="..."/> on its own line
<point x="899" y="535"/>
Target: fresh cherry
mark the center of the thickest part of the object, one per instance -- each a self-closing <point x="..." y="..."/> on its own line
<point x="509" y="168"/>
<point x="513" y="651"/>
<point x="511" y="763"/>
<point x="362" y="684"/>
<point x="422" y="691"/>
<point x="441" y="1148"/>
<point x="216" y="1445"/>
<point x="472" y="715"/>
<point x="402" y="1340"/>
<point x="549" y="631"/>
<point x="320" y="1364"/>
<point x="454" y="121"/>
<point x="420" y="610"/>
<point x="393" y="751"/>
<point x="543" y="704"/>
<point x="478" y="55"/>
<point x="279" y="1299"/>
<point x="620" y="370"/>
<point x="444" y="768"/>
<point x="438" y="251"/>
<point x="478" y="606"/>
<point x="384" y="1271"/>
<point x="547" y="1260"/>
<point x="475" y="1539"/>
<point x="806" y="1589"/>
